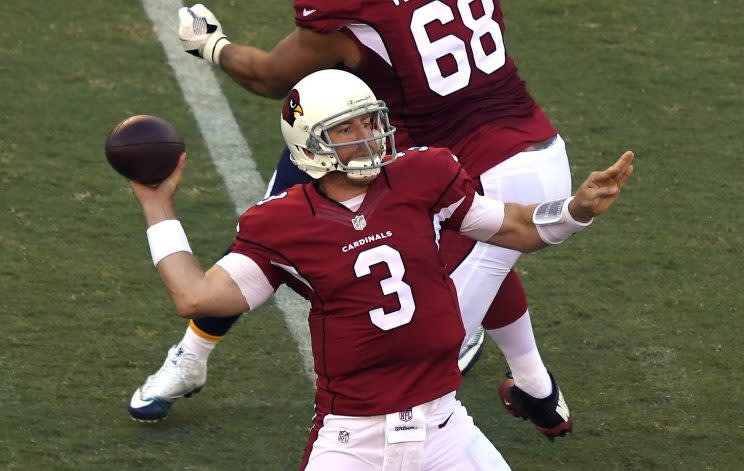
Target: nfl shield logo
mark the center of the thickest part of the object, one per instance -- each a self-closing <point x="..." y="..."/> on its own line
<point x="359" y="222"/>
<point x="405" y="415"/>
<point x="343" y="436"/>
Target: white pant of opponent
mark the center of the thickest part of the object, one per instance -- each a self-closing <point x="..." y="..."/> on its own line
<point x="527" y="178"/>
<point x="451" y="441"/>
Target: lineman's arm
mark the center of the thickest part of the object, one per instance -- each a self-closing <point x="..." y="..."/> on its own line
<point x="531" y="227"/>
<point x="193" y="292"/>
<point x="270" y="74"/>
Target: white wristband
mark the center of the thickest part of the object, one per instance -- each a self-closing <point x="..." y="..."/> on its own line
<point x="555" y="228"/>
<point x="213" y="47"/>
<point x="166" y="238"/>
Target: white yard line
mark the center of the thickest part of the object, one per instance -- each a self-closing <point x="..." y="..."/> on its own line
<point x="228" y="148"/>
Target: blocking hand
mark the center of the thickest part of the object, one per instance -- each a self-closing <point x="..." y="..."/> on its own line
<point x="600" y="189"/>
<point x="201" y="33"/>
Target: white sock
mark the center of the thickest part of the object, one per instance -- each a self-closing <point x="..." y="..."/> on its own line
<point x="517" y="343"/>
<point x="198" y="345"/>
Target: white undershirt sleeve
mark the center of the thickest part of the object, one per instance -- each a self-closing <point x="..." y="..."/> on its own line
<point x="249" y="277"/>
<point x="483" y="219"/>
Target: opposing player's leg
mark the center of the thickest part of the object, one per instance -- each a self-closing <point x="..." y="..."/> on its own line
<point x="184" y="370"/>
<point x="528" y="177"/>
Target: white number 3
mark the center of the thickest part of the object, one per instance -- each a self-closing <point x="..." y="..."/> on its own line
<point x="395" y="284"/>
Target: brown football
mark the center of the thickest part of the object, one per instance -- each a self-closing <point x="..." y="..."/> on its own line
<point x="144" y="148"/>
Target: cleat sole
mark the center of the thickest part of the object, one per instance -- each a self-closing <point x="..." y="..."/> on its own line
<point x="505" y="394"/>
<point x="195" y="391"/>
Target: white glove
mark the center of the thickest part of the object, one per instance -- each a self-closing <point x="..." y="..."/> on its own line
<point x="201" y="33"/>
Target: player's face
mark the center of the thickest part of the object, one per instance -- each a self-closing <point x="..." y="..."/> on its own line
<point x="355" y="129"/>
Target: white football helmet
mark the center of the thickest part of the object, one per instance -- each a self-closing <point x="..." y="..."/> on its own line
<point x="322" y="100"/>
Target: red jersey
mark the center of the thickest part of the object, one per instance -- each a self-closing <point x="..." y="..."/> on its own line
<point x="384" y="321"/>
<point x="441" y="67"/>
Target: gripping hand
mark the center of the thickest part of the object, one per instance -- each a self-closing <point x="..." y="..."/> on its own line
<point x="201" y="33"/>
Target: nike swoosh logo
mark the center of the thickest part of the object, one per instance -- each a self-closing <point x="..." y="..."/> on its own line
<point x="308" y="11"/>
<point x="137" y="402"/>
<point x="444" y="424"/>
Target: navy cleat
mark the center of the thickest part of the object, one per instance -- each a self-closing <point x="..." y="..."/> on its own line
<point x="471" y="353"/>
<point x="550" y="415"/>
<point x="181" y="375"/>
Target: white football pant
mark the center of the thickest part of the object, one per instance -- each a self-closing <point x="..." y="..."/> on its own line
<point x="527" y="178"/>
<point x="452" y="442"/>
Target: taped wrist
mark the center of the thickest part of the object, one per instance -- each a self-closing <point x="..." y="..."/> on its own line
<point x="554" y="222"/>
<point x="213" y="47"/>
<point x="166" y="238"/>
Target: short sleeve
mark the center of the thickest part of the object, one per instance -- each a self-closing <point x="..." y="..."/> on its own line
<point x="250" y="278"/>
<point x="457" y="189"/>
<point x="324" y="16"/>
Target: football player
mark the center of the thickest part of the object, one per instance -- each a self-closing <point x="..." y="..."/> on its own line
<point x="385" y="341"/>
<point x="450" y="82"/>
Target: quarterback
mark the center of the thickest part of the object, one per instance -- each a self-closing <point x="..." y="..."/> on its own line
<point x="444" y="69"/>
<point x="384" y="318"/>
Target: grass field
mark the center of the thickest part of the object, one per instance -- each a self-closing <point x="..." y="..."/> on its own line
<point x="638" y="318"/>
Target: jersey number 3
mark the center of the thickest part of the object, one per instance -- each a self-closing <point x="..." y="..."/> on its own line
<point x="395" y="284"/>
<point x="432" y="51"/>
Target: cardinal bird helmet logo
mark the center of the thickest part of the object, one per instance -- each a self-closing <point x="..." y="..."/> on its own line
<point x="292" y="108"/>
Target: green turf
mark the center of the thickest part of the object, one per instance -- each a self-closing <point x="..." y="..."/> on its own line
<point x="638" y="317"/>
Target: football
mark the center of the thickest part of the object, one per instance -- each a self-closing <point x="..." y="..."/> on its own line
<point x="144" y="148"/>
